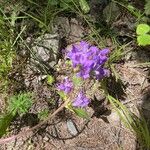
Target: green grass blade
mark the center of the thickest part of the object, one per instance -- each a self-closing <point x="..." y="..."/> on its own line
<point x="131" y="121"/>
<point x="4" y="123"/>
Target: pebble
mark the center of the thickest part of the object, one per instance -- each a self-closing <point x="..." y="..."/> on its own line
<point x="71" y="127"/>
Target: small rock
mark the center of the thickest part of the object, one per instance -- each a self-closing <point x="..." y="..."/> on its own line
<point x="46" y="139"/>
<point x="42" y="77"/>
<point x="64" y="26"/>
<point x="71" y="127"/>
<point x="77" y="31"/>
<point x="113" y="118"/>
<point x="72" y="29"/>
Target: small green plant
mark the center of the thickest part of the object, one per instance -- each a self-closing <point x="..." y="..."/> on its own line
<point x="18" y="104"/>
<point x="133" y="122"/>
<point x="143" y="37"/>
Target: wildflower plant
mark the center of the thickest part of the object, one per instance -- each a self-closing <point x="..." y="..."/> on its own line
<point x="89" y="59"/>
<point x="87" y="63"/>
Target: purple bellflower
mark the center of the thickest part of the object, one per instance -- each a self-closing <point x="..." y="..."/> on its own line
<point x="90" y="59"/>
<point x="81" y="101"/>
<point x="65" y="86"/>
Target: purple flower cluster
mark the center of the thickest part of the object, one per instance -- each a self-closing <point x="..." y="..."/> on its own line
<point x="65" y="86"/>
<point x="90" y="60"/>
<point x="81" y="100"/>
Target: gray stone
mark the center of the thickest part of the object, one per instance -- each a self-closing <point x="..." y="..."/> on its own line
<point x="44" y="52"/>
<point x="71" y="127"/>
<point x="72" y="29"/>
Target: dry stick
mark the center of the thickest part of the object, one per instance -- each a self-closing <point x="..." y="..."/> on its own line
<point x="5" y="140"/>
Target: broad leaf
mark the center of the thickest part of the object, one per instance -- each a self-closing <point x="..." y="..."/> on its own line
<point x="143" y="40"/>
<point x="142" y="29"/>
<point x="110" y="12"/>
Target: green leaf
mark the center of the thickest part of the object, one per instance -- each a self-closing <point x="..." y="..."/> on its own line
<point x="142" y="29"/>
<point x="143" y="40"/>
<point x="62" y="94"/>
<point x="77" y="80"/>
<point x="65" y="4"/>
<point x="81" y="113"/>
<point x="84" y="6"/>
<point x="137" y="125"/>
<point x="50" y="79"/>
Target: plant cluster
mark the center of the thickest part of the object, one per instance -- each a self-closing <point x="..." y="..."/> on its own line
<point x="88" y="62"/>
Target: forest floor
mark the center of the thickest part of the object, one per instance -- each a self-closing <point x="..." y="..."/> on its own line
<point x="34" y="61"/>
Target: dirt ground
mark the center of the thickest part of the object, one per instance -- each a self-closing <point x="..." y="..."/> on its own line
<point x="104" y="130"/>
